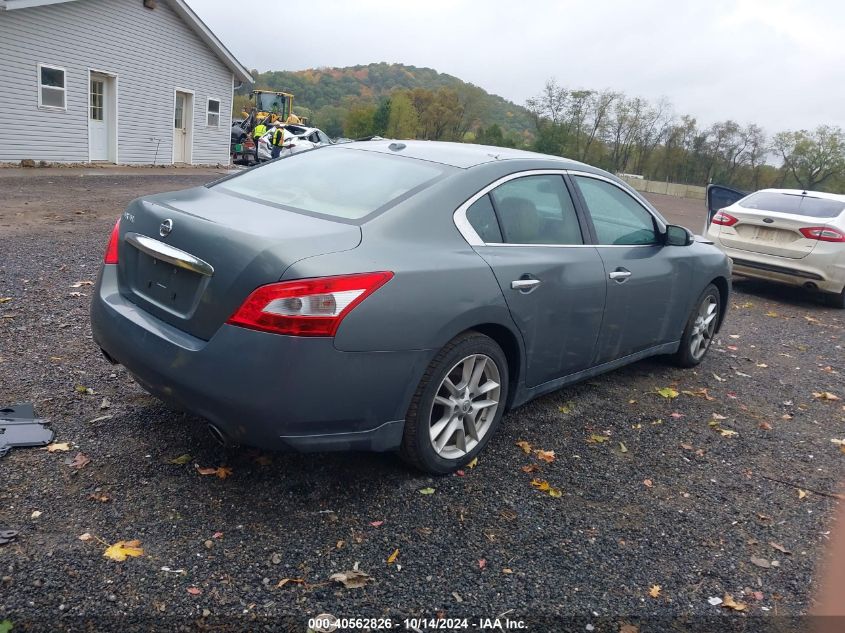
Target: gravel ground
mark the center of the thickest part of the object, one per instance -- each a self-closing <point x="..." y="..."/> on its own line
<point x="667" y="511"/>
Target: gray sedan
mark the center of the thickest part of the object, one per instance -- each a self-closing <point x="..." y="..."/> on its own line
<point x="397" y="295"/>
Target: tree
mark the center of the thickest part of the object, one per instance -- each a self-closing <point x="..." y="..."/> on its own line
<point x="330" y="119"/>
<point x="381" y="117"/>
<point x="812" y="158"/>
<point x="403" y="119"/>
<point x="359" y="121"/>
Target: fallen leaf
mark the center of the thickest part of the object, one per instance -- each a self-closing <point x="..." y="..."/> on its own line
<point x="482" y="563"/>
<point x="648" y="483"/>
<point x="80" y="461"/>
<point x="772" y="313"/>
<point x="825" y="395"/>
<point x="352" y="579"/>
<point x="221" y="471"/>
<point x="762" y="365"/>
<point x="392" y="558"/>
<point x="714" y="601"/>
<point x="525" y="446"/>
<point x="728" y="602"/>
<point x="597" y="439"/>
<point x="181" y="460"/>
<point x="84" y="389"/>
<point x="622" y="448"/>
<point x="376" y="523"/>
<point x="667" y="392"/>
<point x="717" y="376"/>
<point x="35" y="514"/>
<point x="5" y="299"/>
<point x="540" y="484"/>
<point x="79" y="284"/>
<point x="629" y="628"/>
<point x="105" y="404"/>
<point x="554" y="492"/>
<point x="460" y="473"/>
<point x="57" y="446"/>
<point x="761" y="562"/>
<point x="285" y="581"/>
<point x="699" y="393"/>
<point x="217" y="535"/>
<point x="779" y="547"/>
<point x="531" y="468"/>
<point x="802" y="493"/>
<point x="99" y="497"/>
<point x="121" y="550"/>
<point x="757" y="595"/>
<point x="473" y="463"/>
<point x="427" y="491"/>
<point x="194" y="591"/>
<point x="545" y="456"/>
<point x="727" y="433"/>
<point x="765" y="426"/>
<point x="676" y="415"/>
<point x="686" y="447"/>
<point x="507" y="570"/>
<point x="565" y="408"/>
<point x="654" y="591"/>
<point x="85" y="537"/>
<point x="75" y="295"/>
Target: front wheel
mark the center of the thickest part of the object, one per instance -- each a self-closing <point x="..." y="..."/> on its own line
<point x="700" y="328"/>
<point x="457" y="406"/>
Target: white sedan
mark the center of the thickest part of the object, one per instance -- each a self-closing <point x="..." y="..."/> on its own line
<point x="297" y="139"/>
<point x="785" y="235"/>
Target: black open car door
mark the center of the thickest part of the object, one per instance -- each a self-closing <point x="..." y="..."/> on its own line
<point x="719" y="197"/>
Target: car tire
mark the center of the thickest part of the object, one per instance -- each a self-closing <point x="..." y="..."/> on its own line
<point x="418" y="447"/>
<point x="698" y="336"/>
<point x="837" y="300"/>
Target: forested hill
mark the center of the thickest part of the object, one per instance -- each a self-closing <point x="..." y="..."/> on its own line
<point x="329" y="87"/>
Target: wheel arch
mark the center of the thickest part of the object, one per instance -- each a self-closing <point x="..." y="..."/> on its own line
<point x="724" y="295"/>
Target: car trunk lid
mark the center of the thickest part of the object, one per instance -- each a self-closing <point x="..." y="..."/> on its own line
<point x="191" y="258"/>
<point x="768" y="232"/>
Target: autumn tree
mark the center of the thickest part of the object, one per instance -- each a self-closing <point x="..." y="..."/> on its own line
<point x="812" y="158"/>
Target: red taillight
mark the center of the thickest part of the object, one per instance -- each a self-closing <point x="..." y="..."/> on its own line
<point x="111" y="250"/>
<point x="307" y="307"/>
<point x="725" y="219"/>
<point x="823" y="234"/>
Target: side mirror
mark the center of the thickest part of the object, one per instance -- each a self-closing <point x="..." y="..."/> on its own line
<point x="678" y="236"/>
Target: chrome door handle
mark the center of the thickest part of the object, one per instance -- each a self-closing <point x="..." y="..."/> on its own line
<point x="525" y="284"/>
<point x="620" y="275"/>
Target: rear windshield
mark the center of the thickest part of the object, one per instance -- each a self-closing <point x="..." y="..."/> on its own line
<point x="337" y="182"/>
<point x="793" y="203"/>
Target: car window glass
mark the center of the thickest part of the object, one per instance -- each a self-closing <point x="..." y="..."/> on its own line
<point x="794" y="203"/>
<point x="618" y="218"/>
<point x="483" y="219"/>
<point x="536" y="210"/>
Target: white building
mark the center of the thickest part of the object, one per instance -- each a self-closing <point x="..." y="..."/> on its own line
<point x="118" y="81"/>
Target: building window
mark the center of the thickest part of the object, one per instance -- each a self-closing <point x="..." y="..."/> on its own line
<point x="213" y="113"/>
<point x="51" y="87"/>
<point x="97" y="101"/>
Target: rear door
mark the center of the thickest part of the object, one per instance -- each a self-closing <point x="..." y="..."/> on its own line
<point x="647" y="282"/>
<point x="552" y="279"/>
<point x="717" y="198"/>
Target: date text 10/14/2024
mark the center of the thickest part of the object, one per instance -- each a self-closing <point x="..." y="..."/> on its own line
<point x="326" y="623"/>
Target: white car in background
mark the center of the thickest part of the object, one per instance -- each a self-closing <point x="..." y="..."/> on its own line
<point x="297" y="139"/>
<point x="785" y="235"/>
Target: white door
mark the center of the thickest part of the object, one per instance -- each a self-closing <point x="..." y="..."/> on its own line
<point x="99" y="118"/>
<point x="180" y="128"/>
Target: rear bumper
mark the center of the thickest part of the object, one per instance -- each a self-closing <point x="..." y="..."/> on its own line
<point x="825" y="271"/>
<point x="263" y="389"/>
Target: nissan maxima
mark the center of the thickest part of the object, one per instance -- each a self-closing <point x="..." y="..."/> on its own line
<point x="398" y="296"/>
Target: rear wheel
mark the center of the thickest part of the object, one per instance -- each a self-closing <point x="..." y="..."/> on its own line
<point x="457" y="406"/>
<point x="700" y="328"/>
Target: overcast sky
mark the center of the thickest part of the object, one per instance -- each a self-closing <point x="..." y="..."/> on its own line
<point x="779" y="63"/>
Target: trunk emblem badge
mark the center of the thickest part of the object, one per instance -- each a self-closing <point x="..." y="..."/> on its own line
<point x="768" y="220"/>
<point x="165" y="228"/>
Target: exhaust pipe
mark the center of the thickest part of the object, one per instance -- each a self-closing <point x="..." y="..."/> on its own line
<point x="219" y="436"/>
<point x="811" y="286"/>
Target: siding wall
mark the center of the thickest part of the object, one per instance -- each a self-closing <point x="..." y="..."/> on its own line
<point x="151" y="52"/>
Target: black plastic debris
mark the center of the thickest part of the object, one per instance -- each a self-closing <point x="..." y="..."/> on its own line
<point x="7" y="536"/>
<point x="20" y="427"/>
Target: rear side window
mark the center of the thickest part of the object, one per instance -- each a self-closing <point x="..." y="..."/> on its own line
<point x="618" y="218"/>
<point x="483" y="219"/>
<point x="794" y="203"/>
<point x="536" y="210"/>
<point x="341" y="183"/>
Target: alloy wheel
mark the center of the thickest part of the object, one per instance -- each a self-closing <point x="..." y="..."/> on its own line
<point x="704" y="327"/>
<point x="464" y="406"/>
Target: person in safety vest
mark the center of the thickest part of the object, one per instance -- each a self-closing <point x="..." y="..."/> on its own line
<point x="257" y="132"/>
<point x="277" y="141"/>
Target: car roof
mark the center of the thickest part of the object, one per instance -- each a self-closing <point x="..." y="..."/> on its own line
<point x="462" y="155"/>
<point x="799" y="192"/>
